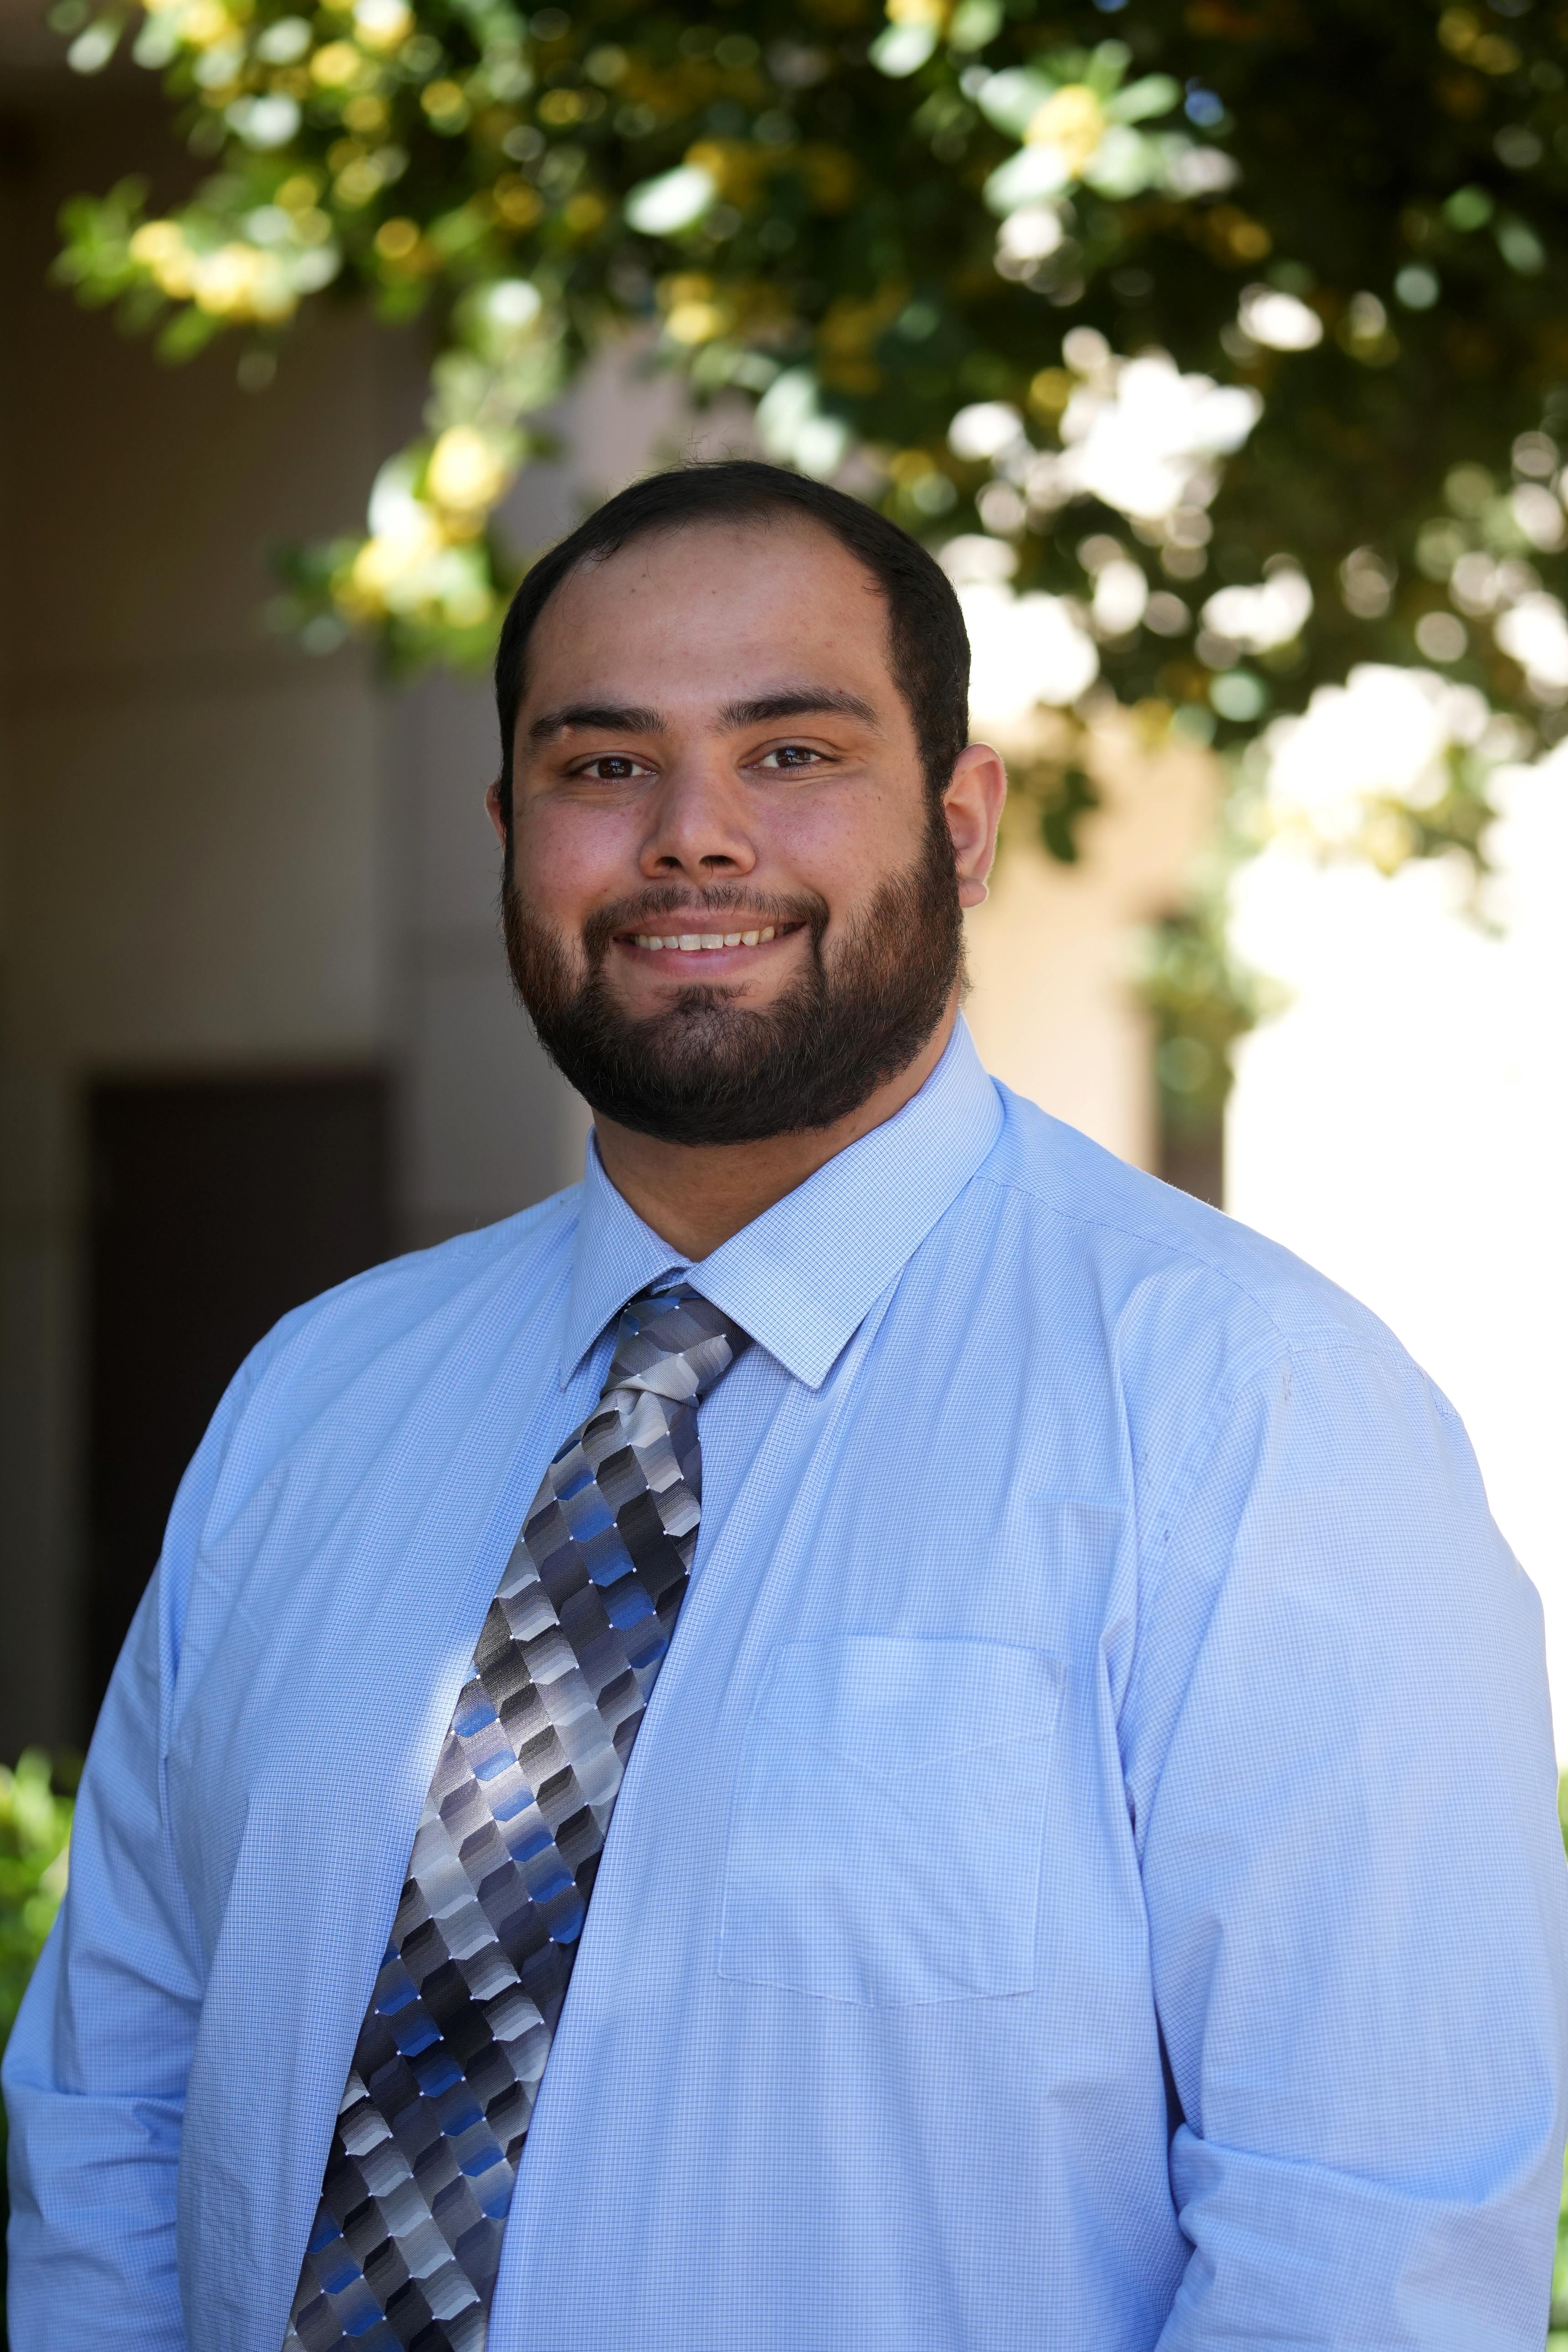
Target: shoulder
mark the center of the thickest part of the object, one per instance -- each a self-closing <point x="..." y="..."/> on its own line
<point x="430" y="1287"/>
<point x="1182" y="1292"/>
<point x="359" y="1355"/>
<point x="1235" y="1376"/>
<point x="394" y="1368"/>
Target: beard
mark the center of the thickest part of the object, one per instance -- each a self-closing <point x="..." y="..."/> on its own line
<point x="711" y="1069"/>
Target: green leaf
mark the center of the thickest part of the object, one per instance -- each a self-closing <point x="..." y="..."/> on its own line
<point x="1155" y="94"/>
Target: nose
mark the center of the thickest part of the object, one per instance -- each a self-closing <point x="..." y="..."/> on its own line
<point x="698" y="830"/>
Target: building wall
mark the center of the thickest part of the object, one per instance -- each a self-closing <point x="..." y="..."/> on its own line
<point x="195" y="838"/>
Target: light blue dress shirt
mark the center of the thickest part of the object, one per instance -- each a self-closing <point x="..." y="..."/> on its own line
<point x="1088" y="1877"/>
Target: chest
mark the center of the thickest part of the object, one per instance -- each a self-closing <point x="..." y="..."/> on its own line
<point x="915" y="1564"/>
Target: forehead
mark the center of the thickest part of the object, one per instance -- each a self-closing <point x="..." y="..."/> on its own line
<point x="696" y="610"/>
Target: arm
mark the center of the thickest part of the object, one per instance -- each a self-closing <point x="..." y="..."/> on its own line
<point x="95" y="2067"/>
<point x="1340" y="1756"/>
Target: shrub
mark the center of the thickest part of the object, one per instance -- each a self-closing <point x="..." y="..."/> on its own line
<point x="35" y="1828"/>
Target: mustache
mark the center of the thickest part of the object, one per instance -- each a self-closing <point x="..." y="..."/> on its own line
<point x="637" y="913"/>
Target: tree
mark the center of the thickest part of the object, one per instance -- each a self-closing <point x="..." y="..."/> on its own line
<point x="1228" y="339"/>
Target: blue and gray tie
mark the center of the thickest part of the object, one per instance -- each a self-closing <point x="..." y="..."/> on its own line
<point x="408" y="2238"/>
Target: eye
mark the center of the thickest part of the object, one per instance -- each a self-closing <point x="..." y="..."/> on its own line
<point x="790" y="755"/>
<point x="611" y="768"/>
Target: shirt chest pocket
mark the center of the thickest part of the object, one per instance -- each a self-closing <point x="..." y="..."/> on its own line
<point x="885" y="1837"/>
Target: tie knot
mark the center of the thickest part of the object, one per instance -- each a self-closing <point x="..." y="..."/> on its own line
<point x="676" y="1343"/>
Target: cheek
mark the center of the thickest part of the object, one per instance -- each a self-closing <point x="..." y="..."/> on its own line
<point x="566" y="860"/>
<point x="843" y="845"/>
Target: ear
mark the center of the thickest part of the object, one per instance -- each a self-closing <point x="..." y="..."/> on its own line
<point x="492" y="803"/>
<point x="973" y="807"/>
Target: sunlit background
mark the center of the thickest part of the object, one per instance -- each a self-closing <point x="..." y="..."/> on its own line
<point x="1403" y="1125"/>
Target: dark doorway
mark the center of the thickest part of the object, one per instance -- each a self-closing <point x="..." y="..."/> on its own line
<point x="218" y="1204"/>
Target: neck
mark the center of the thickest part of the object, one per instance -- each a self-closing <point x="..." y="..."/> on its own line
<point x="696" y="1195"/>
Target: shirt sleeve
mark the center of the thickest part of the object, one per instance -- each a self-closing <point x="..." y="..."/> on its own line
<point x="1340" y="1756"/>
<point x="95" y="2067"/>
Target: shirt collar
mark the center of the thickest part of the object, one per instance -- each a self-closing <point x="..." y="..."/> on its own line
<point x="615" y="1257"/>
<point x="802" y="1277"/>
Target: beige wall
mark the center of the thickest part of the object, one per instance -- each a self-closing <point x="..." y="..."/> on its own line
<point x="1054" y="1007"/>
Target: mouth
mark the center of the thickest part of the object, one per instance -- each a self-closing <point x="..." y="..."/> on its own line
<point x="697" y="946"/>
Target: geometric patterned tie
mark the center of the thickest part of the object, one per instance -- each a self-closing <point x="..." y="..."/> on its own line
<point x="446" y="2068"/>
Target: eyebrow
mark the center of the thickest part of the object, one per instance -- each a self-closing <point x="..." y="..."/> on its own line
<point x="609" y="718"/>
<point x="798" y="702"/>
<point x="637" y="718"/>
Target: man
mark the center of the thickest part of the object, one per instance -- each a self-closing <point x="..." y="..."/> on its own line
<point x="1085" y="1873"/>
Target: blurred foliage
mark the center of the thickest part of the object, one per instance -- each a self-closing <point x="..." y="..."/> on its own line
<point x="1202" y="999"/>
<point x="1230" y="337"/>
<point x="35" y="1828"/>
<point x="1059" y="791"/>
<point x="1343" y="215"/>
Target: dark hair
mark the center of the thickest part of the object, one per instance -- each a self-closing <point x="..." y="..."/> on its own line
<point x="927" y="646"/>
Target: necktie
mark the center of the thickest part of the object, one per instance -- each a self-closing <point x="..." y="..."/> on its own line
<point x="407" y="2236"/>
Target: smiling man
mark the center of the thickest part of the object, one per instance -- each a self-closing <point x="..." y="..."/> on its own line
<point x="995" y="1796"/>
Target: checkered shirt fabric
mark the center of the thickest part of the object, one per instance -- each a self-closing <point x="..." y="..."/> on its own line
<point x="408" y="2238"/>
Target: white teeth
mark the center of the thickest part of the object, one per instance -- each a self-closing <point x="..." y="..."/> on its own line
<point x="696" y="943"/>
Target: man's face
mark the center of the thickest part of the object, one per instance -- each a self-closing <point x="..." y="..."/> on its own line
<point x="732" y="910"/>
